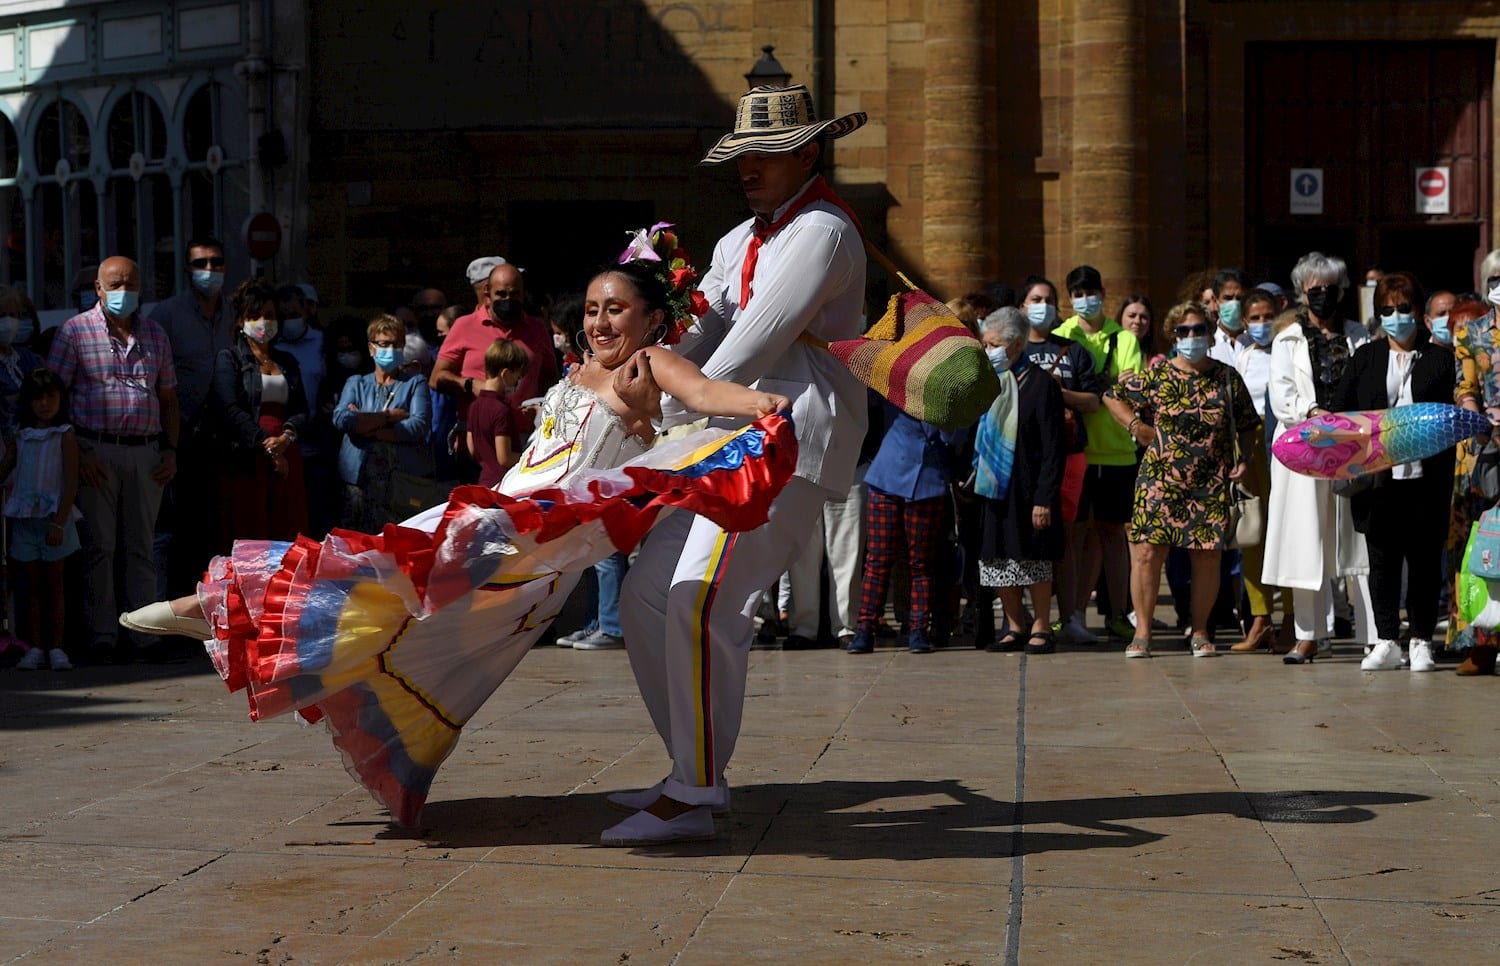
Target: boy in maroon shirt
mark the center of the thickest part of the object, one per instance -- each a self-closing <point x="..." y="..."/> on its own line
<point x="494" y="427"/>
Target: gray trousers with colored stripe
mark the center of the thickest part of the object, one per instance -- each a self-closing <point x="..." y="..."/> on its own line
<point x="686" y="609"/>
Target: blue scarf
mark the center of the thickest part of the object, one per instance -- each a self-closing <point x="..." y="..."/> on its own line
<point x="995" y="442"/>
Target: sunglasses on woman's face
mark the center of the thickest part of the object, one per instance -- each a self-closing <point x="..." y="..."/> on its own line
<point x="1187" y="331"/>
<point x="1387" y="310"/>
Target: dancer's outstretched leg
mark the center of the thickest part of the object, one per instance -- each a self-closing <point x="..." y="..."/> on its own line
<point x="183" y="616"/>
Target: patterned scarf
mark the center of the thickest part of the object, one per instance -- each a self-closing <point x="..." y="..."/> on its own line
<point x="995" y="443"/>
<point x="1329" y="356"/>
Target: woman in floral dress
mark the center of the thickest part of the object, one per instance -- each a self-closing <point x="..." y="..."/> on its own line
<point x="1185" y="411"/>
<point x="1475" y="346"/>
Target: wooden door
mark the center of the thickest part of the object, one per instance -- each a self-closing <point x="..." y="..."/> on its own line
<point x="1370" y="115"/>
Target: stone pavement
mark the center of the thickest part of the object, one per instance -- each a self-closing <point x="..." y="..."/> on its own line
<point x="958" y="807"/>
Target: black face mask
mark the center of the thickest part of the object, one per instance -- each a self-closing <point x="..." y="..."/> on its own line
<point x="505" y="309"/>
<point x="1323" y="303"/>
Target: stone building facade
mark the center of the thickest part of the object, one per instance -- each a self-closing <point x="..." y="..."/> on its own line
<point x="1150" y="138"/>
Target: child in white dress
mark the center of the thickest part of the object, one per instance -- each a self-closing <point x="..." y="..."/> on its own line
<point x="41" y="473"/>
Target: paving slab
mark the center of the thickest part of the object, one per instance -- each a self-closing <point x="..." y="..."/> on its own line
<point x="958" y="807"/>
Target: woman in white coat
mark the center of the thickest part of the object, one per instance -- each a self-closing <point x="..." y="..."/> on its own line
<point x="1310" y="536"/>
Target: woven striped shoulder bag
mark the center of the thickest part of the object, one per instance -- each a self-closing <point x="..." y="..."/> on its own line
<point x="922" y="358"/>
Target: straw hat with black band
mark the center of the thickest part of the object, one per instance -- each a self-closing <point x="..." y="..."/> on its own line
<point x="778" y="120"/>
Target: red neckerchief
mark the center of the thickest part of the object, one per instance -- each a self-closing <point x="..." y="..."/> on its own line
<point x="817" y="191"/>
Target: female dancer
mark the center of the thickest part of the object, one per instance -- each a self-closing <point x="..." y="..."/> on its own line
<point x="398" y="639"/>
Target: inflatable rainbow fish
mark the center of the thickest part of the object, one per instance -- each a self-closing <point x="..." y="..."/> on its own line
<point x="1341" y="446"/>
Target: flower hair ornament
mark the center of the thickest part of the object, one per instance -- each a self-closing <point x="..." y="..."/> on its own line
<point x="658" y="245"/>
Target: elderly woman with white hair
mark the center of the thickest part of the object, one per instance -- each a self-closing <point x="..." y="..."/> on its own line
<point x="1019" y="452"/>
<point x="1310" y="537"/>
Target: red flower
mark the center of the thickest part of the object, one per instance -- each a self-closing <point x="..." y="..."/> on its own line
<point x="699" y="305"/>
<point x="682" y="278"/>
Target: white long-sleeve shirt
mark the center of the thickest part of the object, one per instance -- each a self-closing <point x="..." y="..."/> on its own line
<point x="809" y="278"/>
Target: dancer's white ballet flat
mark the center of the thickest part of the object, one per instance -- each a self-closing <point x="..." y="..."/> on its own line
<point x="644" y="798"/>
<point x="643" y="828"/>
<point x="158" y="618"/>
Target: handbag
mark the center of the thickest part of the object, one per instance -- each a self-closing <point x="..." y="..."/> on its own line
<point x="1484" y="554"/>
<point x="412" y="493"/>
<point x="1484" y="478"/>
<point x="922" y="358"/>
<point x="1247" y="517"/>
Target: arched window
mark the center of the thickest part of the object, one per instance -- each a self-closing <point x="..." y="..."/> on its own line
<point x="65" y="221"/>
<point x="138" y="202"/>
<point x="12" y="212"/>
<point x="202" y="138"/>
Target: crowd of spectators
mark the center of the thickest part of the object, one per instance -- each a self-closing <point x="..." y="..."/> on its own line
<point x="1110" y="460"/>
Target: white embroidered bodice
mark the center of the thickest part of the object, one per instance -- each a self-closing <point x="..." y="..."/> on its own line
<point x="575" y="430"/>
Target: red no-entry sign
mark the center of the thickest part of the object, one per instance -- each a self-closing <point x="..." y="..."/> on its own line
<point x="1433" y="191"/>
<point x="262" y="235"/>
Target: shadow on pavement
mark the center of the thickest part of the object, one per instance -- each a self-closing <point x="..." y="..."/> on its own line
<point x="863" y="820"/>
<point x="30" y="700"/>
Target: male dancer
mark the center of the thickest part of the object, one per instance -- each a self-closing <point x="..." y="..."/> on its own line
<point x="797" y="267"/>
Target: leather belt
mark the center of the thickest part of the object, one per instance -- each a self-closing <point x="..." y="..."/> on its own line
<point x="115" y="439"/>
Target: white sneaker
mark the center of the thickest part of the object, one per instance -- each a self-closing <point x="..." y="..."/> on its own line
<point x="645" y="797"/>
<point x="1074" y="632"/>
<point x="33" y="660"/>
<point x="599" y="641"/>
<point x="643" y="828"/>
<point x="568" y="640"/>
<point x="1384" y="656"/>
<point x="58" y="658"/>
<point x="1420" y="655"/>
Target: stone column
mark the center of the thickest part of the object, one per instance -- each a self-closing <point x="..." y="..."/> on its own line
<point x="1109" y="185"/>
<point x="960" y="167"/>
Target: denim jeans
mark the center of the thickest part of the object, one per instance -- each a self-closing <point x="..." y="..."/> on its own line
<point x="610" y="572"/>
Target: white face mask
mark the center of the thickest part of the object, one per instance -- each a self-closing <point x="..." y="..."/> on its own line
<point x="1494" y="297"/>
<point x="260" y="330"/>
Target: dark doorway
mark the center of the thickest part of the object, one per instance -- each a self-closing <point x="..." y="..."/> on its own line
<point x="1369" y="115"/>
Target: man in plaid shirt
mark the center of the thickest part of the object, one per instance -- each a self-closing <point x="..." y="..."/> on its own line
<point x="122" y="385"/>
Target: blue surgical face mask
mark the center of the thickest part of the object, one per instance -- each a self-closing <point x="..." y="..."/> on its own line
<point x="1261" y="333"/>
<point x="998" y="357"/>
<point x="121" y="303"/>
<point x="1441" y="334"/>
<point x="1088" y="306"/>
<point x="388" y="358"/>
<point x="293" y="328"/>
<point x="87" y="300"/>
<point x="207" y="282"/>
<point x="1398" y="326"/>
<point x="1194" y="348"/>
<point x="1042" y="316"/>
<point x="1229" y="315"/>
<point x="25" y="330"/>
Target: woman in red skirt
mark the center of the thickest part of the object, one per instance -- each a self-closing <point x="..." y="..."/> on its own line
<point x="258" y="395"/>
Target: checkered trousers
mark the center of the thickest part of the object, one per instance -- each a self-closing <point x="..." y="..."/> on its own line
<point x="891" y="521"/>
